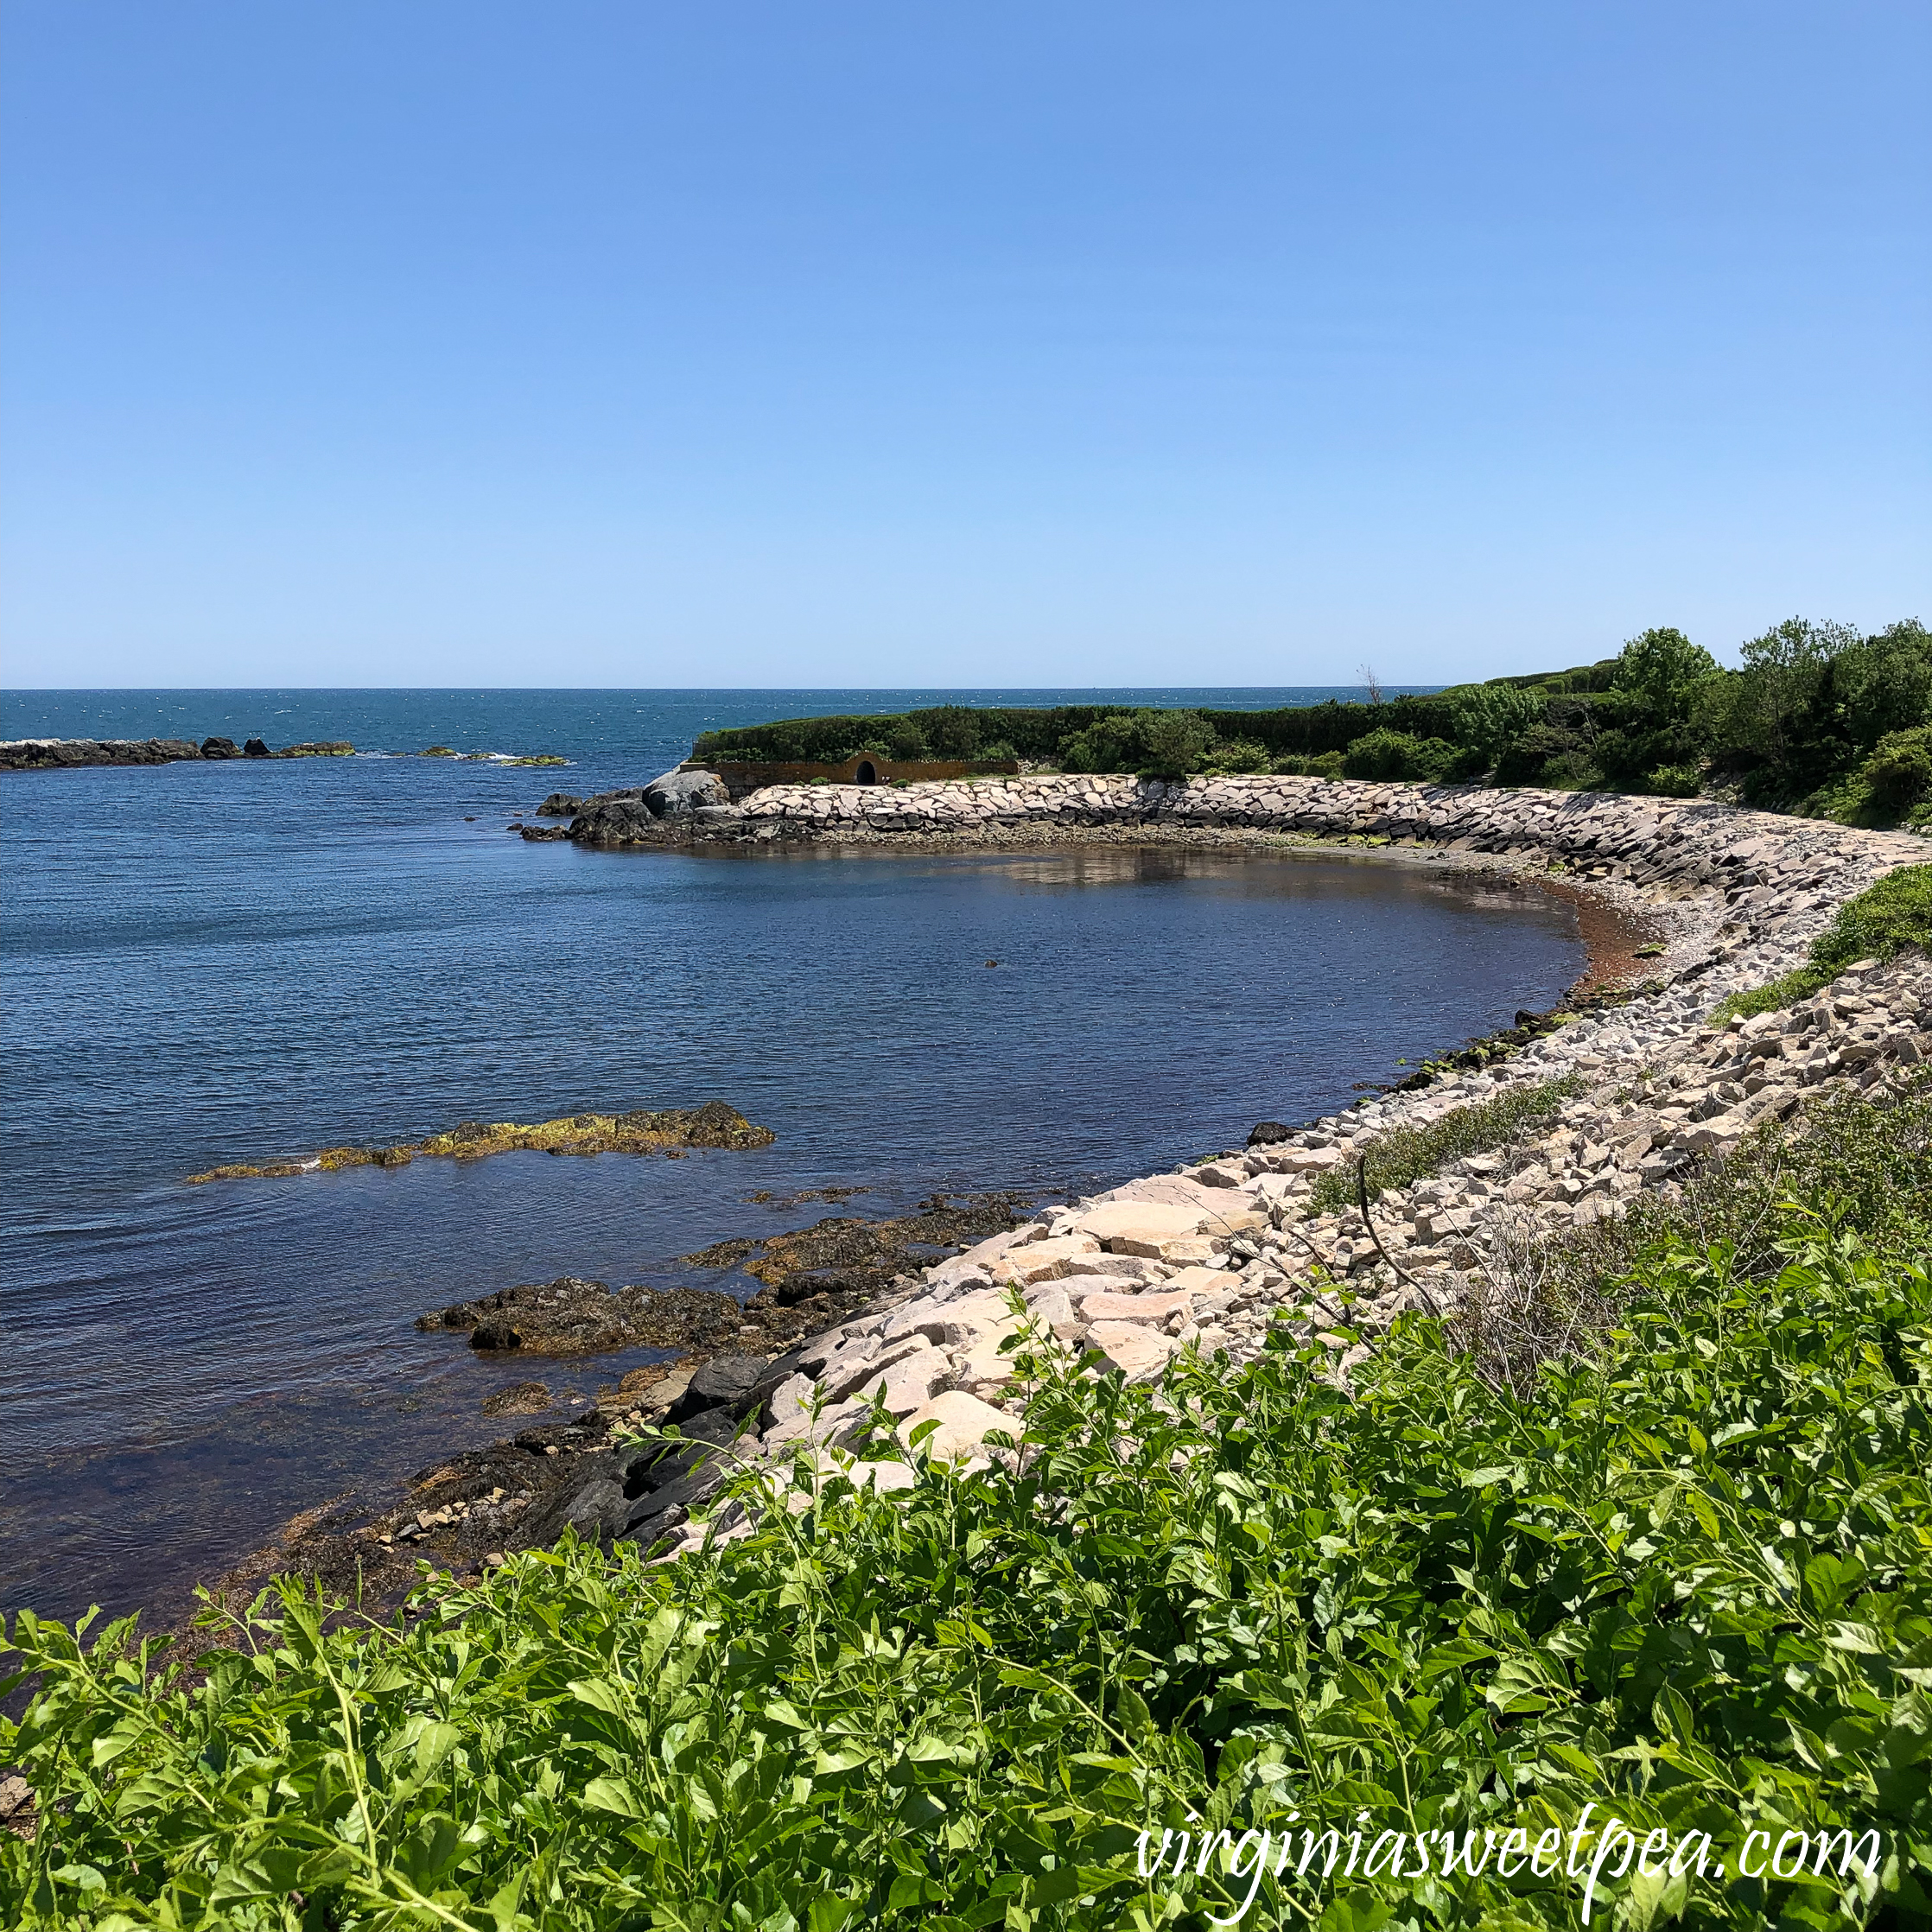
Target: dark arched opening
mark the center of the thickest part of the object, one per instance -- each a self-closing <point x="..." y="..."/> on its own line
<point x="866" y="773"/>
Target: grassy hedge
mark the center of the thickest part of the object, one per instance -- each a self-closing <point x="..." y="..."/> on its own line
<point x="1685" y="1581"/>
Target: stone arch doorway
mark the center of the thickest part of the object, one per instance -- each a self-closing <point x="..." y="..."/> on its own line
<point x="865" y="772"/>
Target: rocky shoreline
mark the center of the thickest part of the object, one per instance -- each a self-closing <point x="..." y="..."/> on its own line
<point x="55" y="754"/>
<point x="1631" y="1090"/>
<point x="459" y="1511"/>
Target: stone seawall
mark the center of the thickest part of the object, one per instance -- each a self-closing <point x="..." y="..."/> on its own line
<point x="1632" y="1097"/>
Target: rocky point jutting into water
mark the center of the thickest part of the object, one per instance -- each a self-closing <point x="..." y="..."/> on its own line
<point x="1572" y="1117"/>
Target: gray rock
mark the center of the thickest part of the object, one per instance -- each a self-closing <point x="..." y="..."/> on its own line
<point x="595" y="1508"/>
<point x="678" y="794"/>
<point x="651" y="1517"/>
<point x="726" y="1382"/>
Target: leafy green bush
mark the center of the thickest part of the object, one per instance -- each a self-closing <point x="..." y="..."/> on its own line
<point x="1407" y="1154"/>
<point x="1110" y="744"/>
<point x="907" y="741"/>
<point x="1572" y="770"/>
<point x="1323" y="765"/>
<point x="1396" y="754"/>
<point x="952" y="730"/>
<point x="1155" y="743"/>
<point x="1684" y="1582"/>
<point x="1884" y="684"/>
<point x="1237" y="755"/>
<point x="1491" y="721"/>
<point x="1889" y="914"/>
<point x="1675" y="781"/>
<point x="1177" y="743"/>
<point x="1787" y="990"/>
<point x="1899" y="770"/>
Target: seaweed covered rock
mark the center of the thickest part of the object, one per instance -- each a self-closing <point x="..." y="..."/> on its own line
<point x="573" y="1316"/>
<point x="715" y="1124"/>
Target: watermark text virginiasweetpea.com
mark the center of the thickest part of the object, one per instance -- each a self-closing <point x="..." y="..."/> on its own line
<point x="1588" y="1853"/>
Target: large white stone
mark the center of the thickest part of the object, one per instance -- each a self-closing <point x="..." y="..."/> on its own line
<point x="1128" y="1268"/>
<point x="964" y="1422"/>
<point x="1045" y="1261"/>
<point x="1148" y="1221"/>
<point x="1135" y="1350"/>
<point x="908" y="1384"/>
<point x="1154" y="1308"/>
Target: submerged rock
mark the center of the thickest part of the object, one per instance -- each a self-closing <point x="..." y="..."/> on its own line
<point x="715" y="1124"/>
<point x="526" y="1398"/>
<point x="572" y="1316"/>
<point x="808" y="1276"/>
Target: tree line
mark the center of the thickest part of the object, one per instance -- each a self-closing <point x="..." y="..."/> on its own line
<point x="1818" y="718"/>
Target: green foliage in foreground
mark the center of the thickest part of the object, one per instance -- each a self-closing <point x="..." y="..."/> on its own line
<point x="1687" y="1581"/>
<point x="1407" y="1154"/>
<point x="1889" y="915"/>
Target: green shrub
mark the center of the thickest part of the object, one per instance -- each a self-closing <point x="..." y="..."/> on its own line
<point x="1396" y="754"/>
<point x="1177" y="743"/>
<point x="1407" y="1154"/>
<point x="952" y="730"/>
<point x="1574" y="770"/>
<point x="1675" y="781"/>
<point x="1323" y="765"/>
<point x="907" y="741"/>
<point x="1155" y="743"/>
<point x="1899" y="770"/>
<point x="1787" y="990"/>
<point x="1237" y="755"/>
<point x="1110" y="744"/>
<point x="1889" y="914"/>
<point x="1685" y="1582"/>
<point x="1489" y="720"/>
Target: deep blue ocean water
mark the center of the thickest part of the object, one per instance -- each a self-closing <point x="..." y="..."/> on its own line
<point x="208" y="962"/>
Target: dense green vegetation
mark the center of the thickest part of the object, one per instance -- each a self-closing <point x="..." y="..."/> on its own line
<point x="1817" y="718"/>
<point x="1889" y="915"/>
<point x="1683" y="1577"/>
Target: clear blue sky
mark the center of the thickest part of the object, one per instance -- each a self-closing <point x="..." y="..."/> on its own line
<point x="745" y="343"/>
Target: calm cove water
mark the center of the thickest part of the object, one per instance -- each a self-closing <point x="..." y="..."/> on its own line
<point x="209" y="962"/>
